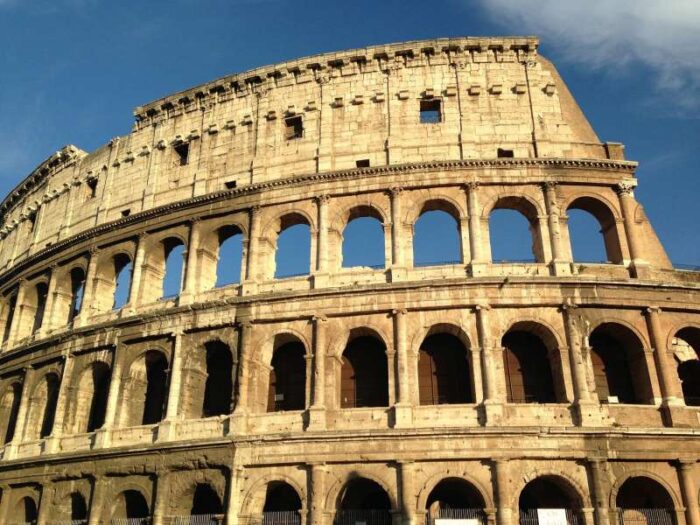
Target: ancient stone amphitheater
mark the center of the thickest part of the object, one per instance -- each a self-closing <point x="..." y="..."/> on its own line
<point x="462" y="392"/>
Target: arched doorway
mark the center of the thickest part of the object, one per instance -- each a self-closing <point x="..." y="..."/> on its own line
<point x="206" y="507"/>
<point x="364" y="374"/>
<point x="644" y="501"/>
<point x="527" y="368"/>
<point x="287" y="383"/>
<point x="282" y="505"/>
<point x="363" y="501"/>
<point x="686" y="350"/>
<point x="550" y="500"/>
<point x="444" y="375"/>
<point x="130" y="508"/>
<point x="454" y="498"/>
<point x="78" y="508"/>
<point x="25" y="511"/>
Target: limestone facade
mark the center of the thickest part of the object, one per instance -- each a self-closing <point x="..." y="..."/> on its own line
<point x="167" y="407"/>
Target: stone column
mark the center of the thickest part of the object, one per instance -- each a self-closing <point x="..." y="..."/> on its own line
<point x="20" y="426"/>
<point x="668" y="380"/>
<point x="167" y="428"/>
<point x="398" y="259"/>
<point x="252" y="260"/>
<point x="45" y="504"/>
<point x="61" y="402"/>
<point x="232" y="497"/>
<point x="51" y="297"/>
<point x="493" y="404"/>
<point x="317" y="493"/>
<point x="407" y="491"/>
<point x="162" y="496"/>
<point x="502" y="492"/>
<point x="598" y="490"/>
<point x="559" y="265"/>
<point x="317" y="411"/>
<point x="322" y="246"/>
<point x="95" y="503"/>
<point x="479" y="259"/>
<point x="625" y="191"/>
<point x="689" y="491"/>
<point x="102" y="435"/>
<point x="136" y="284"/>
<point x="87" y="306"/>
<point x="403" y="401"/>
<point x="191" y="278"/>
<point x="17" y="320"/>
<point x="239" y="416"/>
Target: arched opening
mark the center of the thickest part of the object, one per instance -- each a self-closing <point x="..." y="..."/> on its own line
<point x="230" y="256"/>
<point x="527" y="367"/>
<point x="514" y="231"/>
<point x="549" y="499"/>
<point x="174" y="256"/>
<point x="41" y="292"/>
<point x="619" y="365"/>
<point x="593" y="231"/>
<point x="644" y="501"/>
<point x="444" y="375"/>
<point x="9" y="317"/>
<point x="455" y="498"/>
<point x="47" y="421"/>
<point x="364" y="374"/>
<point x="282" y="505"/>
<point x="122" y="271"/>
<point x="78" y="507"/>
<point x="363" y="239"/>
<point x="156" y="387"/>
<point x="77" y="290"/>
<point x="436" y="237"/>
<point x="293" y="247"/>
<point x="287" y="385"/>
<point x="26" y="511"/>
<point x="9" y="410"/>
<point x="130" y="505"/>
<point x="686" y="349"/>
<point x="206" y="506"/>
<point x="218" y="388"/>
<point x="90" y="397"/>
<point x="363" y="500"/>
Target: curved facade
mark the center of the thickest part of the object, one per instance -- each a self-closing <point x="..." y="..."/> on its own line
<point x="545" y="392"/>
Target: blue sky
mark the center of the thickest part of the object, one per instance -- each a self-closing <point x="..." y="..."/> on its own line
<point x="73" y="70"/>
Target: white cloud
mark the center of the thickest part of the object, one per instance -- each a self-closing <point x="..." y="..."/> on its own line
<point x="609" y="34"/>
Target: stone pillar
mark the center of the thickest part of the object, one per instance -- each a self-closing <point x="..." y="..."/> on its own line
<point x="17" y="320"/>
<point x="61" y="403"/>
<point x="493" y="404"/>
<point x="502" y="492"/>
<point x="232" y="496"/>
<point x="322" y="246"/>
<point x="45" y="503"/>
<point x="598" y="490"/>
<point x="479" y="260"/>
<point x="88" y="306"/>
<point x="167" y="428"/>
<point x="51" y="297"/>
<point x="403" y="413"/>
<point x="689" y="491"/>
<point x="239" y="416"/>
<point x="407" y="491"/>
<point x="625" y="191"/>
<point x="559" y="265"/>
<point x="398" y="259"/>
<point x="252" y="263"/>
<point x="162" y="496"/>
<point x="102" y="435"/>
<point x="20" y="426"/>
<point x="317" y="493"/>
<point x="136" y="284"/>
<point x="317" y="411"/>
<point x="668" y="379"/>
<point x="191" y="278"/>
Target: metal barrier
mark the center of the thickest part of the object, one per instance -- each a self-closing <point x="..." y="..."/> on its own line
<point x="130" y="521"/>
<point x="363" y="517"/>
<point x="531" y="517"/>
<point x="456" y="514"/>
<point x="70" y="522"/>
<point x="199" y="519"/>
<point x="423" y="264"/>
<point x="281" y="517"/>
<point x="645" y="517"/>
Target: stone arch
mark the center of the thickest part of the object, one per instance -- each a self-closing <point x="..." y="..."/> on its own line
<point x="183" y="486"/>
<point x="335" y="489"/>
<point x="533" y="373"/>
<point x="70" y="290"/>
<point x="435" y="202"/>
<point x="444" y="328"/>
<point x="88" y="402"/>
<point x="574" y="490"/>
<point x="144" y="377"/>
<point x="286" y="391"/>
<point x="528" y="208"/>
<point x="131" y="503"/>
<point x="341" y="337"/>
<point x="644" y="473"/>
<point x="42" y="405"/>
<point x="272" y="231"/>
<point x="254" y="498"/>
<point x="606" y="215"/>
<point x="9" y="410"/>
<point x="110" y="262"/>
<point x="359" y="209"/>
<point x="436" y="218"/>
<point x="685" y="346"/>
<point x="281" y="335"/>
<point x="433" y="481"/>
<point x="372" y="223"/>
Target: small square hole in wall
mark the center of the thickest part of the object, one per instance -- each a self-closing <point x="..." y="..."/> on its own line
<point x="293" y="127"/>
<point x="126" y="213"/>
<point x="183" y="152"/>
<point x="362" y="163"/>
<point x="230" y="184"/>
<point x="504" y="153"/>
<point x="430" y="111"/>
<point x="92" y="188"/>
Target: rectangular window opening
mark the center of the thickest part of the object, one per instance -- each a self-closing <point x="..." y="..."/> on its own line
<point x="183" y="152"/>
<point x="126" y="213"/>
<point x="430" y="111"/>
<point x="362" y="163"/>
<point x="294" y="127"/>
<point x="504" y="153"/>
<point x="231" y="184"/>
<point x="92" y="188"/>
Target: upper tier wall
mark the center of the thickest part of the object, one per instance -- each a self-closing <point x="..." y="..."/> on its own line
<point x="355" y="105"/>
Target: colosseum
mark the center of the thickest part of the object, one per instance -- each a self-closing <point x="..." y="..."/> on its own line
<point x="413" y="391"/>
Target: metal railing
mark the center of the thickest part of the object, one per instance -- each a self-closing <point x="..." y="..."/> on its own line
<point x="363" y="517"/>
<point x="130" y="521"/>
<point x="456" y="514"/>
<point x="446" y="262"/>
<point x="645" y="516"/>
<point x="531" y="517"/>
<point x="198" y="519"/>
<point x="70" y="522"/>
<point x="281" y="517"/>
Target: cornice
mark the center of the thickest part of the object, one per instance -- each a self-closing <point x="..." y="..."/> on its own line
<point x="627" y="167"/>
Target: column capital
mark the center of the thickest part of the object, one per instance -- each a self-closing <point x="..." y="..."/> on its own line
<point x="625" y="188"/>
<point x="395" y="191"/>
<point x="245" y="325"/>
<point x="549" y="185"/>
<point x="319" y="318"/>
<point x="685" y="463"/>
<point x="653" y="310"/>
<point x="322" y="199"/>
<point x="255" y="208"/>
<point x="398" y="312"/>
<point x="194" y="220"/>
<point x="482" y="306"/>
